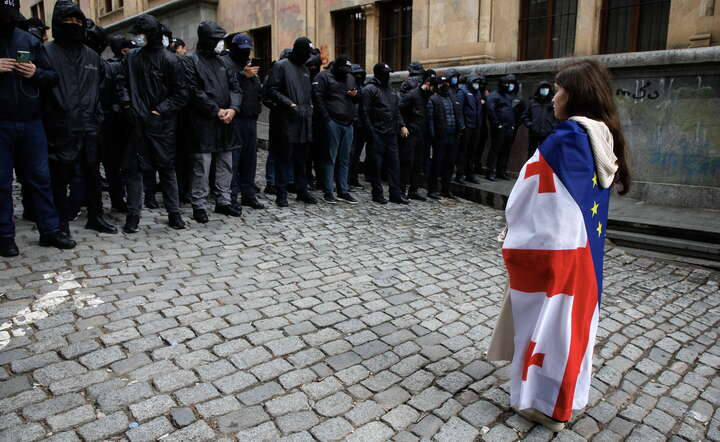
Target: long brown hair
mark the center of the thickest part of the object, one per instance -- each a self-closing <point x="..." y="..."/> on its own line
<point x="587" y="83"/>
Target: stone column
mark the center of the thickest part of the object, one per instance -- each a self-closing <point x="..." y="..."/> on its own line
<point x="587" y="27"/>
<point x="372" y="36"/>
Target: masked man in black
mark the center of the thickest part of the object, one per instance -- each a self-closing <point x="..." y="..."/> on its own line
<point x="290" y="88"/>
<point x="359" y="132"/>
<point x="335" y="92"/>
<point x="382" y="117"/>
<point x="214" y="101"/>
<point x="152" y="90"/>
<point x="22" y="136"/>
<point x="504" y="121"/>
<point x="413" y="106"/>
<point x="539" y="117"/>
<point x="446" y="126"/>
<point x="245" y="123"/>
<point x="72" y="115"/>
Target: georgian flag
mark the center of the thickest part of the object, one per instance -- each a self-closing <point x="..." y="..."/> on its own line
<point x="556" y="215"/>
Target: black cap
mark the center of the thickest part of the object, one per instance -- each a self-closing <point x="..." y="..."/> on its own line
<point x="11" y="8"/>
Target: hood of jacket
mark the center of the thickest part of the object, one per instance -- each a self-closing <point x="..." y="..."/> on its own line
<point x="151" y="27"/>
<point x="64" y="32"/>
<point x="601" y="142"/>
<point x="543" y="84"/>
<point x="209" y="34"/>
<point x="117" y="44"/>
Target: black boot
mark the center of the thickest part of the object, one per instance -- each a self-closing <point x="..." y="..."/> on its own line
<point x="200" y="215"/>
<point x="99" y="224"/>
<point x="281" y="200"/>
<point x="229" y="210"/>
<point x="254" y="203"/>
<point x="132" y="224"/>
<point x="175" y="221"/>
<point x="8" y="248"/>
<point x="307" y="198"/>
<point x="59" y="240"/>
<point x="399" y="199"/>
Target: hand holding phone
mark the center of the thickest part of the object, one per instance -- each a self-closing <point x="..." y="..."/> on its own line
<point x="255" y="62"/>
<point x="23" y="57"/>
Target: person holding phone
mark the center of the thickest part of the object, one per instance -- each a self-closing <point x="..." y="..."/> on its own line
<point x="335" y="94"/>
<point x="22" y="136"/>
<point x="245" y="71"/>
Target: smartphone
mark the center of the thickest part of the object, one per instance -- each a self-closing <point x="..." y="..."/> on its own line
<point x="23" y="57"/>
<point x="255" y="62"/>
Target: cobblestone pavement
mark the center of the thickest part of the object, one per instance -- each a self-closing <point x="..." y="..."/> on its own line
<point x="327" y="322"/>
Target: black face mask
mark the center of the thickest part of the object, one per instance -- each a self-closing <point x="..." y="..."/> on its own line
<point x="444" y="89"/>
<point x="239" y="56"/>
<point x="301" y="51"/>
<point x="68" y="33"/>
<point x="383" y="77"/>
<point x="341" y="69"/>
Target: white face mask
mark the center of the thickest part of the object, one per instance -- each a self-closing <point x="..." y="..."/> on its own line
<point x="544" y="91"/>
<point x="511" y="87"/>
<point x="220" y="47"/>
<point x="140" y="40"/>
<point x="476" y="86"/>
<point x="166" y="41"/>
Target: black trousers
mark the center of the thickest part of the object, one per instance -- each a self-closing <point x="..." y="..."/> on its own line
<point x="384" y="150"/>
<point x="443" y="162"/>
<point x="412" y="151"/>
<point x="245" y="159"/>
<point x="67" y="176"/>
<point x="285" y="155"/>
<point x="469" y="153"/>
<point x="502" y="141"/>
<point x="359" y="141"/>
<point x="113" y="142"/>
<point x="534" y="141"/>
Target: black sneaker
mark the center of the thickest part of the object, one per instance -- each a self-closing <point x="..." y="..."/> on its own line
<point x="227" y="209"/>
<point x="434" y="196"/>
<point x="98" y="224"/>
<point x="132" y="224"/>
<point x="307" y="198"/>
<point x="347" y="198"/>
<point x="330" y="198"/>
<point x="379" y="199"/>
<point x="399" y="200"/>
<point x="8" y="248"/>
<point x="175" y="221"/>
<point x="59" y="240"/>
<point x="254" y="203"/>
<point x="416" y="196"/>
<point x="200" y="215"/>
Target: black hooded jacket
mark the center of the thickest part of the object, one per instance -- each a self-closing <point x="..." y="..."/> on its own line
<point x="20" y="97"/>
<point x="214" y="87"/>
<point x="251" y="89"/>
<point x="413" y="106"/>
<point x="152" y="78"/>
<point x="288" y="84"/>
<point x="332" y="101"/>
<point x="500" y="106"/>
<point x="73" y="106"/>
<point x="380" y="108"/>
<point x="539" y="116"/>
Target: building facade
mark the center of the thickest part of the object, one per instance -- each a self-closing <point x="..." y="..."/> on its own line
<point x="436" y="32"/>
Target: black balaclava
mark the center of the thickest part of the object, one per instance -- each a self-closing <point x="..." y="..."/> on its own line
<point x="444" y="86"/>
<point x="301" y="51"/>
<point x="152" y="29"/>
<point x="239" y="56"/>
<point x="341" y="68"/>
<point x="382" y="73"/>
<point x="209" y="35"/>
<point x="96" y="37"/>
<point x="68" y="34"/>
<point x="117" y="44"/>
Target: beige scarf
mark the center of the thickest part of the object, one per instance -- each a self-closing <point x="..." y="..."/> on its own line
<point x="601" y="142"/>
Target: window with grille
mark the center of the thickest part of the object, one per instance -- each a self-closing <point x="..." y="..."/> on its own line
<point x="396" y="33"/>
<point x="547" y="29"/>
<point x="350" y="34"/>
<point x="634" y="25"/>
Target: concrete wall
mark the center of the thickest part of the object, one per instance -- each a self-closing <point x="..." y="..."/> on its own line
<point x="669" y="102"/>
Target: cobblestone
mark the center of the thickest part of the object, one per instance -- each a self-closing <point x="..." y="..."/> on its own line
<point x="328" y="322"/>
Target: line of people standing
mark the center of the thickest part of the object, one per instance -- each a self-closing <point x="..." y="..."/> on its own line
<point x="152" y="110"/>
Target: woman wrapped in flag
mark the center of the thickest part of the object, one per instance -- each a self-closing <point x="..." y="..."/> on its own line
<point x="553" y="249"/>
